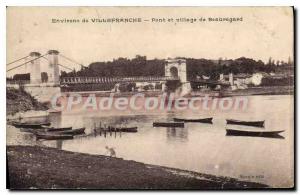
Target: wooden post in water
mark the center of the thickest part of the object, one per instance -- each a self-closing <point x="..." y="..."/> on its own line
<point x="100" y="129"/>
<point x="110" y="130"/>
<point x="95" y="129"/>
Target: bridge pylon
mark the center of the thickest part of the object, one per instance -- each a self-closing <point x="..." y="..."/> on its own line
<point x="53" y="76"/>
<point x="34" y="68"/>
<point x="176" y="68"/>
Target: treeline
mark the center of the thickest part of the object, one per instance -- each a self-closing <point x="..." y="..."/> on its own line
<point x="213" y="68"/>
<point x="140" y="66"/>
<point x="121" y="67"/>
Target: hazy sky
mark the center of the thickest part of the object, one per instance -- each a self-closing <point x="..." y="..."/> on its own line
<point x="264" y="32"/>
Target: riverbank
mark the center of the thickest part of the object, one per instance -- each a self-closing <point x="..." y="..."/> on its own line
<point x="18" y="100"/>
<point x="266" y="90"/>
<point x="48" y="168"/>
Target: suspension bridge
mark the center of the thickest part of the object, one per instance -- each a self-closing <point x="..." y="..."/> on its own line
<point x="33" y="62"/>
<point x="175" y="70"/>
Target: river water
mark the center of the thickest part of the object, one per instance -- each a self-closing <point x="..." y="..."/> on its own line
<point x="197" y="147"/>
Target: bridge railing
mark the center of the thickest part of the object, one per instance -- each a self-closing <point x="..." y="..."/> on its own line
<point x="87" y="80"/>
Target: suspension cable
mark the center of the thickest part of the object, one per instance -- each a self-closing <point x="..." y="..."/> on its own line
<point x="59" y="64"/>
<point x="72" y="60"/>
<point x="65" y="67"/>
<point x="26" y="62"/>
<point x="75" y="62"/>
<point x="17" y="60"/>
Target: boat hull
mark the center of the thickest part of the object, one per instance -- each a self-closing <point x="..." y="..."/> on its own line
<point x="53" y="136"/>
<point x="127" y="129"/>
<point x="246" y="123"/>
<point x="28" y="125"/>
<point x="233" y="132"/>
<point x="120" y="129"/>
<point x="51" y="129"/>
<point x="162" y="124"/>
<point x="204" y="120"/>
<point x="71" y="132"/>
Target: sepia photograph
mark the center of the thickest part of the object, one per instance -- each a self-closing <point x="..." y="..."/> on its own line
<point x="150" y="98"/>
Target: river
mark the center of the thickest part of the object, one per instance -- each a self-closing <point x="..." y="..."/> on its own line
<point x="197" y="147"/>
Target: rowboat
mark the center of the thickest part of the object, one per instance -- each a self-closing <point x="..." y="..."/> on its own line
<point x="127" y="129"/>
<point x="70" y="132"/>
<point x="235" y="132"/>
<point x="30" y="125"/>
<point x="51" y="136"/>
<point x="202" y="120"/>
<point x="57" y="128"/>
<point x="168" y="124"/>
<point x="120" y="129"/>
<point x="247" y="123"/>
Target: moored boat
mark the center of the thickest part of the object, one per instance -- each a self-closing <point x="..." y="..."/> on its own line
<point x="30" y="125"/>
<point x="247" y="123"/>
<point x="71" y="131"/>
<point x="51" y="136"/>
<point x="202" y="120"/>
<point x="235" y="132"/>
<point x="57" y="128"/>
<point x="127" y="129"/>
<point x="119" y="129"/>
<point x="168" y="124"/>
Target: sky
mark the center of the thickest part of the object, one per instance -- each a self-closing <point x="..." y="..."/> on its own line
<point x="264" y="32"/>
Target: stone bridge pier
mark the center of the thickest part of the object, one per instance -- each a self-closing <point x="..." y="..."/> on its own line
<point x="176" y="68"/>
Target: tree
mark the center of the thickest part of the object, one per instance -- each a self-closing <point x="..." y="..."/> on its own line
<point x="290" y="62"/>
<point x="270" y="61"/>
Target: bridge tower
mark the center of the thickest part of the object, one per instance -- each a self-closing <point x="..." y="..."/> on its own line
<point x="176" y="68"/>
<point x="34" y="67"/>
<point x="53" y="76"/>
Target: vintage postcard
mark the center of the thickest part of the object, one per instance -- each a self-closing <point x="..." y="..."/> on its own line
<point x="150" y="97"/>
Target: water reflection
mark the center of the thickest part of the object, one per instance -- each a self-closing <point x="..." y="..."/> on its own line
<point x="56" y="119"/>
<point x="42" y="119"/>
<point x="117" y="120"/>
<point x="197" y="147"/>
<point x="28" y="137"/>
<point x="177" y="134"/>
<point x="59" y="144"/>
<point x="105" y="134"/>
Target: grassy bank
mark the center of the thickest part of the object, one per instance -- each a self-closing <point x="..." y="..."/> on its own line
<point x="45" y="168"/>
<point x="18" y="100"/>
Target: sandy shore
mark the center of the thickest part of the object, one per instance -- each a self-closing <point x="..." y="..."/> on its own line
<point x="47" y="168"/>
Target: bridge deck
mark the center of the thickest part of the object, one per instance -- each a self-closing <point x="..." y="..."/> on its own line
<point x="88" y="80"/>
<point x="110" y="80"/>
